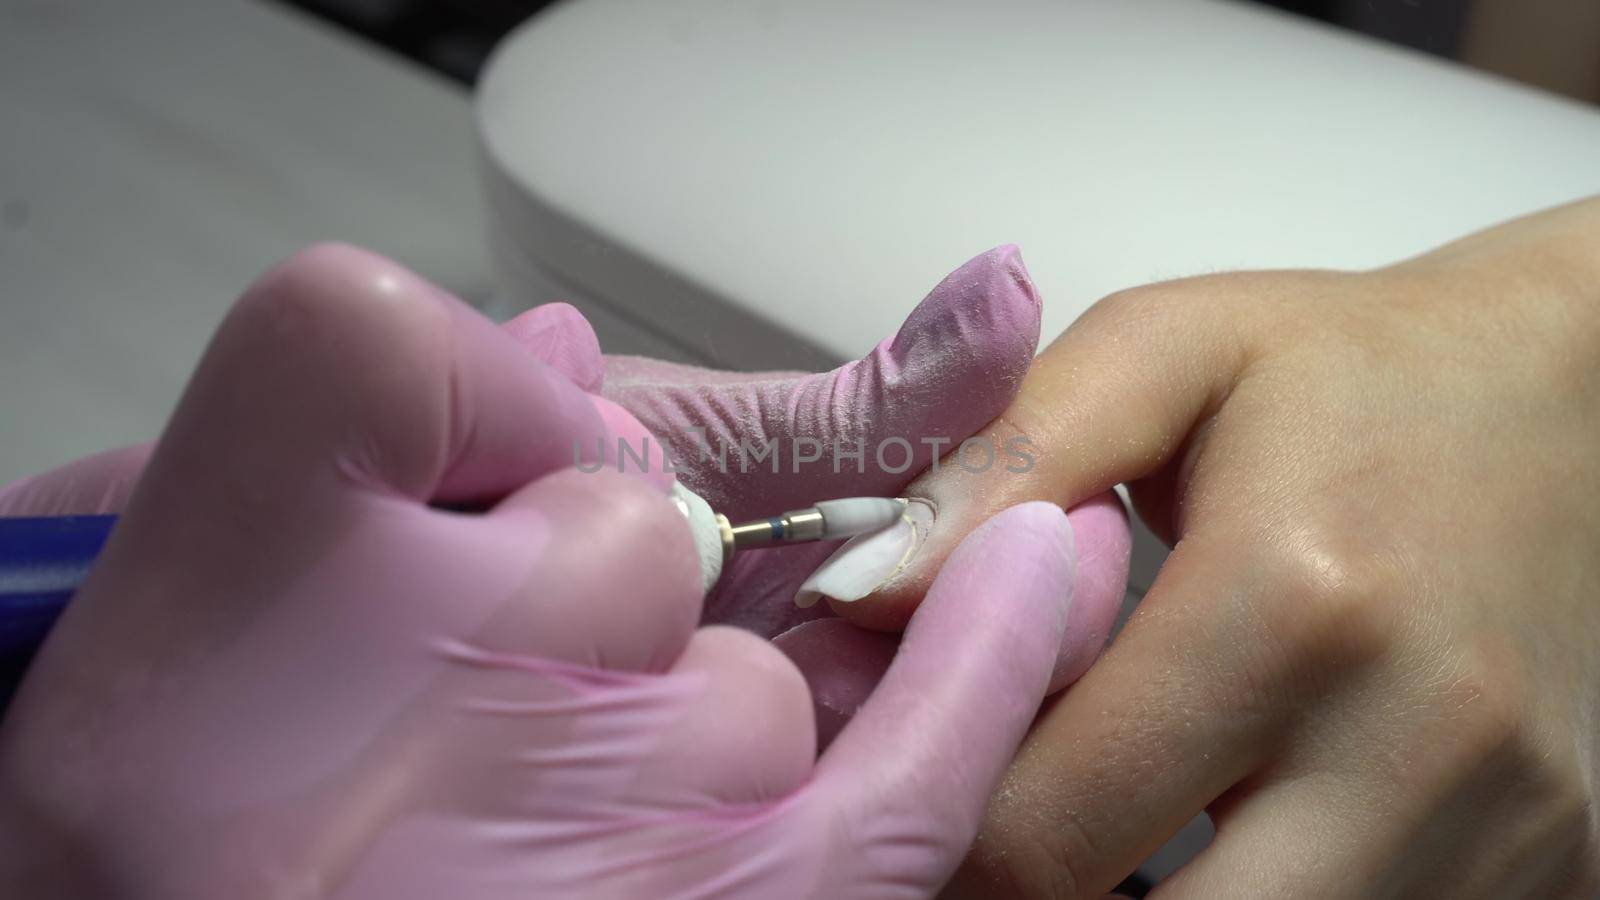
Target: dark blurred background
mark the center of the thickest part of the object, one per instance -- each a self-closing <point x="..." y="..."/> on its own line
<point x="1554" y="44"/>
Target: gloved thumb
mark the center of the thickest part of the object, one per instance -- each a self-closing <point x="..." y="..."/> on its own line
<point x="752" y="444"/>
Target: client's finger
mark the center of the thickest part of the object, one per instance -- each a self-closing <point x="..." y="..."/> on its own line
<point x="1110" y="401"/>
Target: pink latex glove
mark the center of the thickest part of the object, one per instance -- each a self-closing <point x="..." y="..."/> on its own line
<point x="292" y="673"/>
<point x="954" y="366"/>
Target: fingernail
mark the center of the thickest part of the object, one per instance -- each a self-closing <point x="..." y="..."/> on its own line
<point x="868" y="561"/>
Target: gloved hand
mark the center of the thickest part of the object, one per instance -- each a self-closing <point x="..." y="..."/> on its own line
<point x="293" y="673"/>
<point x="955" y="364"/>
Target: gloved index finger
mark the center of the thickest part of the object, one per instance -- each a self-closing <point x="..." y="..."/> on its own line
<point x="559" y="335"/>
<point x="912" y="773"/>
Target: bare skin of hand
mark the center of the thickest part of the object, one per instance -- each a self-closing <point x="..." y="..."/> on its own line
<point x="1374" y="653"/>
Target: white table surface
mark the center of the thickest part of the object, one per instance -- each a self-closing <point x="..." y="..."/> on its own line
<point x="156" y="156"/>
<point x="814" y="167"/>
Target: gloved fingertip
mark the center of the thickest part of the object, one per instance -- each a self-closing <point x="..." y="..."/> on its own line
<point x="631" y="448"/>
<point x="1009" y="258"/>
<point x="989" y="306"/>
<point x="560" y="336"/>
<point x="1027" y="556"/>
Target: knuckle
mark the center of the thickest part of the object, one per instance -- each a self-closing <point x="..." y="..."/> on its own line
<point x="1484" y="717"/>
<point x="618" y="573"/>
<point x="624" y="517"/>
<point x="1070" y="846"/>
<point x="1033" y="867"/>
<point x="1025" y="850"/>
<point x="1332" y="612"/>
<point x="1237" y="307"/>
<point x="1145" y="307"/>
<point x="1482" y="712"/>
<point x="1184" y="301"/>
<point x="629" y="508"/>
<point x="338" y="345"/>
<point x="1485" y="730"/>
<point x="631" y="505"/>
<point x="343" y="300"/>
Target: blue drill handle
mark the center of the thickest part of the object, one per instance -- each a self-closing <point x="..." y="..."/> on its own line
<point x="42" y="562"/>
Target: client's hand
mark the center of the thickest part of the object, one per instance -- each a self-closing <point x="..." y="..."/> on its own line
<point x="1374" y="654"/>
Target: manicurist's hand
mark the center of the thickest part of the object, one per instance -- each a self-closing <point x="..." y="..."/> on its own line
<point x="1374" y="654"/>
<point x="363" y="631"/>
<point x="758" y="443"/>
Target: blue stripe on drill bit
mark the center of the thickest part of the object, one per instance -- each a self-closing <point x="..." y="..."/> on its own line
<point x="777" y="527"/>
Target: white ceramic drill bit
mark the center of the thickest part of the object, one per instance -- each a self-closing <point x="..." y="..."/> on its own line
<point x="717" y="539"/>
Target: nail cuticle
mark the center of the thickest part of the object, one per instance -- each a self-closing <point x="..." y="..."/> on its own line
<point x="869" y="562"/>
<point x="919" y="534"/>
